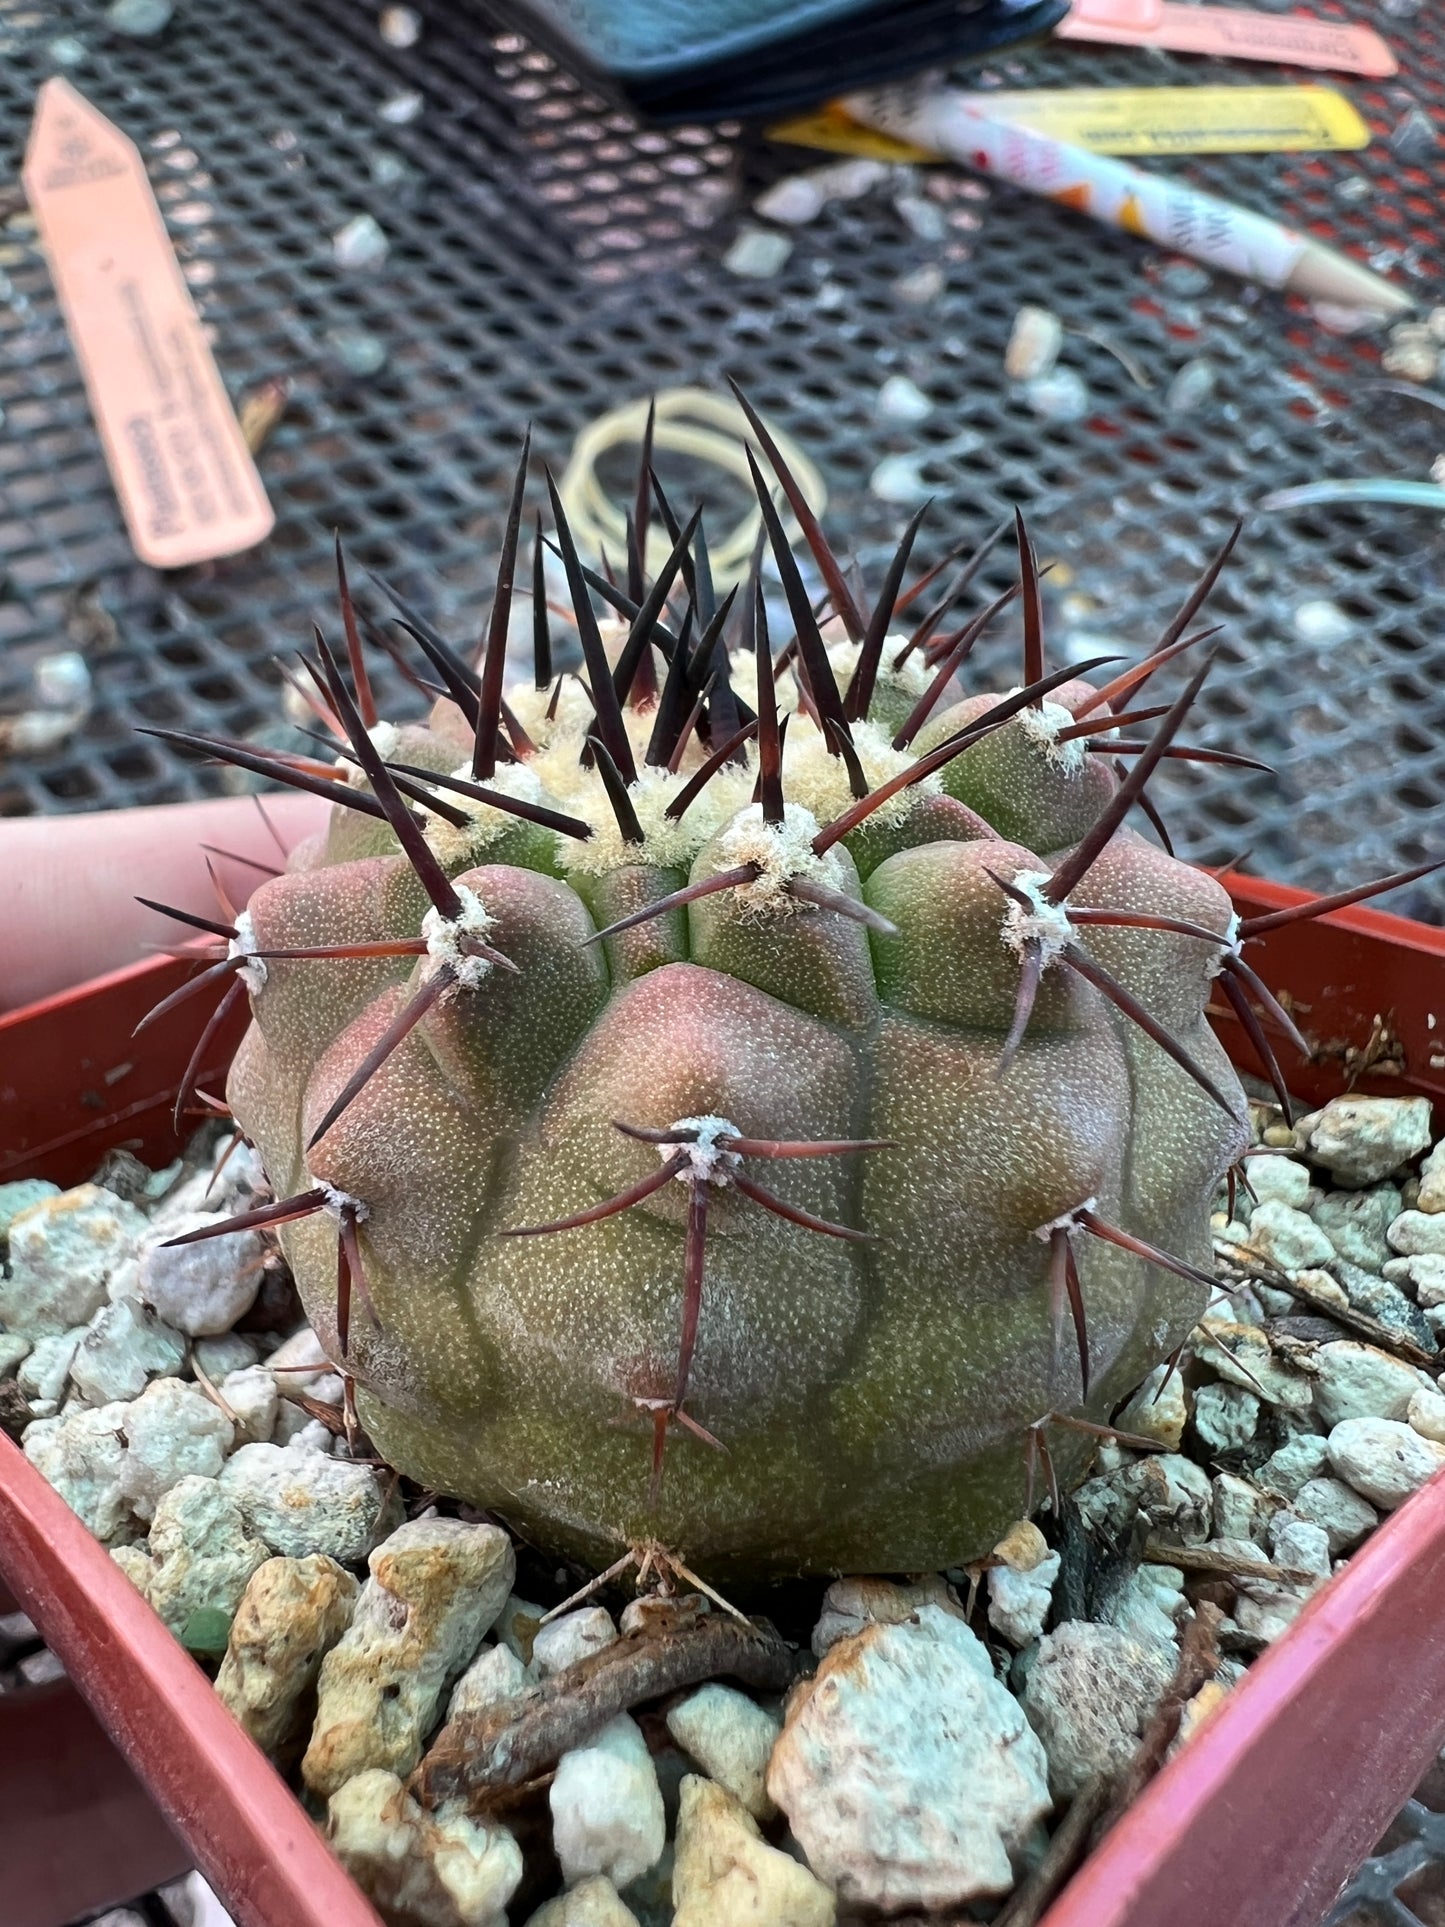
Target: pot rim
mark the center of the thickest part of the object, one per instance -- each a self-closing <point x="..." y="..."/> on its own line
<point x="1271" y="1805"/>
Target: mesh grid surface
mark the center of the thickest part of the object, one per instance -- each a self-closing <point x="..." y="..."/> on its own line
<point x="1403" y="1883"/>
<point x="549" y="258"/>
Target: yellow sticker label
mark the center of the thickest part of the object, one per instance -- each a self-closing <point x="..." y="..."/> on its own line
<point x="1130" y="120"/>
<point x="836" y="132"/>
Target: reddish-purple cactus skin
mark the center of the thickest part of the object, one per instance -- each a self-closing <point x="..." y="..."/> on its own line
<point x="793" y="1222"/>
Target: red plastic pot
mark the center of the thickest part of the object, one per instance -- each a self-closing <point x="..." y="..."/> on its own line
<point x="1256" y="1823"/>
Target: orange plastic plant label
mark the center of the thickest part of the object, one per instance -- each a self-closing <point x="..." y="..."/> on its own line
<point x="187" y="485"/>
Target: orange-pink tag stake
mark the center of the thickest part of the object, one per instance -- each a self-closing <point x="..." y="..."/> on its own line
<point x="1236" y="33"/>
<point x="187" y="485"/>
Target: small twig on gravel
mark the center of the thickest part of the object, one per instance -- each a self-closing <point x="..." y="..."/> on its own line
<point x="518" y="1739"/>
<point x="1198" y="1662"/>
<point x="1065" y="1849"/>
<point x="1207" y="1559"/>
<point x="1246" y="1259"/>
<point x="210" y="1388"/>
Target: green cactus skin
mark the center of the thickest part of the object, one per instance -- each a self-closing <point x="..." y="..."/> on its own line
<point x="877" y="1358"/>
<point x="873" y="1398"/>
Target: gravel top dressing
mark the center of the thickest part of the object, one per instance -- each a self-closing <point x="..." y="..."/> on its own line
<point x="486" y="1737"/>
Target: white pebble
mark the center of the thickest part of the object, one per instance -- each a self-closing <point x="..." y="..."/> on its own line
<point x="44" y="1372"/>
<point x="1297" y="1461"/>
<point x="299" y="1362"/>
<point x="172" y="1432"/>
<point x="64" y="1251"/>
<point x="562" y="1642"/>
<point x="19" y="1196"/>
<point x="1089" y="1694"/>
<point x="421" y="1870"/>
<point x="1225" y="1417"/>
<point x="1034" y="341"/>
<point x="125" y="1347"/>
<point x="495" y="1674"/>
<point x="732" y="1738"/>
<point x="907" y="1770"/>
<point x="400" y="109"/>
<point x="1300" y="1544"/>
<point x="204" y="1557"/>
<point x="1241" y="1510"/>
<point x="1158" y="1409"/>
<point x="1191" y="386"/>
<point x="1321" y="623"/>
<point x="795" y="200"/>
<point x="291" y="1614"/>
<point x="1357" y="1381"/>
<point x="1427" y="1415"/>
<point x="851" y="1604"/>
<point x="435" y="1587"/>
<point x="901" y="402"/>
<point x="1062" y="396"/>
<point x="726" y="1874"/>
<point x="14" y="1348"/>
<point x="1288" y="1238"/>
<point x="1363" y="1139"/>
<point x="1425" y="1274"/>
<point x="1432" y="1181"/>
<point x="922" y="217"/>
<point x="1382" y="1459"/>
<point x="1342" y="1514"/>
<point x="251" y="1395"/>
<point x="593" y="1902"/>
<point x="1019" y="1602"/>
<point x="399" y="26"/>
<point x="302" y="1502"/>
<point x="1419" y="1234"/>
<point x="1148" y="1605"/>
<point x="202" y="1289"/>
<point x="517" y="1625"/>
<point x="607" y="1814"/>
<point x="923" y="286"/>
<point x="1280" y="1181"/>
<point x="1266" y="1608"/>
<point x="226" y="1353"/>
<point x="758" y="253"/>
<point x="361" y="243"/>
<point x="81" y="1454"/>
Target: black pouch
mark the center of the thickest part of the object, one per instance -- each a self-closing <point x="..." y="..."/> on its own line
<point x="674" y="60"/>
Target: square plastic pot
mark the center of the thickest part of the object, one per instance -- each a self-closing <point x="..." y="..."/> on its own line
<point x="1256" y="1823"/>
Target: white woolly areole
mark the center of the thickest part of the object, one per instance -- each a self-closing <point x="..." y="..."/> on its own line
<point x="819" y="780"/>
<point x="1065" y="1221"/>
<point x="781" y="852"/>
<point x="1042" y="722"/>
<point x="385" y="739"/>
<point x="335" y="1202"/>
<point x="530" y="705"/>
<point x="670" y="845"/>
<point x="707" y="1160"/>
<point x="244" y="944"/>
<point x="912" y="676"/>
<point x="1229" y="944"/>
<point x="486" y="823"/>
<point x="444" y="937"/>
<point x="1044" y="923"/>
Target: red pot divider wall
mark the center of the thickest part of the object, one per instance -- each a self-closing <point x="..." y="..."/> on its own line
<point x="1255" y="1824"/>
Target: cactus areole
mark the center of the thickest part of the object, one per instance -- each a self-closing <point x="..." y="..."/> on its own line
<point x="749" y="1099"/>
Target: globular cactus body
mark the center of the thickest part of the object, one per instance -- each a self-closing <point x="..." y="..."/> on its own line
<point x="797" y="1223"/>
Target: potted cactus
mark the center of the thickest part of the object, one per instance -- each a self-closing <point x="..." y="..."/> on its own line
<point x="777" y="1131"/>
